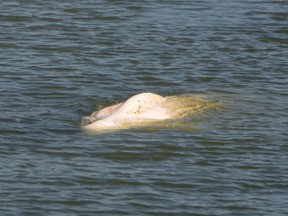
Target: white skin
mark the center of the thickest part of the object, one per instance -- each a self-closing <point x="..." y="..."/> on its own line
<point x="145" y="108"/>
<point x="141" y="107"/>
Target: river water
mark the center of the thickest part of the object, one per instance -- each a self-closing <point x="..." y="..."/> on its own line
<point x="60" y="60"/>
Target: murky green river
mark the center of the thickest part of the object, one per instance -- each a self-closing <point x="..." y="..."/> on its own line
<point x="60" y="60"/>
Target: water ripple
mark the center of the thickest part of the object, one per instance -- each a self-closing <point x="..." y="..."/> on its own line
<point x="62" y="60"/>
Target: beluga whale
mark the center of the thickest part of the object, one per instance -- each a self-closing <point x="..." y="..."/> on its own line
<point x="145" y="109"/>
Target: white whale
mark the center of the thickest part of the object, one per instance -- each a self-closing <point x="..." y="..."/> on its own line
<point x="144" y="109"/>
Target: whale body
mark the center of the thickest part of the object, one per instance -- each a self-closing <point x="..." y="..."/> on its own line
<point x="144" y="109"/>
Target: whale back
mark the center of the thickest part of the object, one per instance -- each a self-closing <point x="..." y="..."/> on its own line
<point x="146" y="109"/>
<point x="142" y="106"/>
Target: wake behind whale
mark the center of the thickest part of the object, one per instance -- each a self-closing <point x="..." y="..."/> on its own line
<point x="145" y="109"/>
